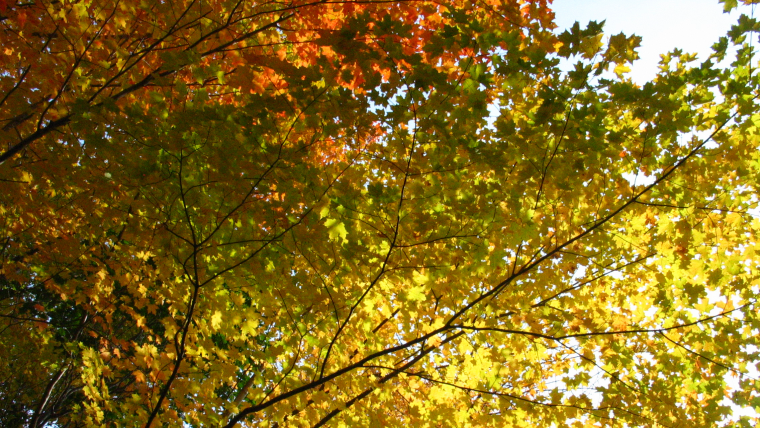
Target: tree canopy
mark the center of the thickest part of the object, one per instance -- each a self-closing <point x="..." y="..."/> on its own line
<point x="371" y="213"/>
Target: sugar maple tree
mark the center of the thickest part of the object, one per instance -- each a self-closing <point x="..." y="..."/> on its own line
<point x="376" y="213"/>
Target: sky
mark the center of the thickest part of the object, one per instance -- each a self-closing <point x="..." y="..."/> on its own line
<point x="692" y="25"/>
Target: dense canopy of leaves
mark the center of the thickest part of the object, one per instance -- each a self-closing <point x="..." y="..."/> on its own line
<point x="370" y="213"/>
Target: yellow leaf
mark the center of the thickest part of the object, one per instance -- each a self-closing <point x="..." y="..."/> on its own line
<point x="416" y="294"/>
<point x="336" y="229"/>
<point x="621" y="68"/>
<point x="216" y="320"/>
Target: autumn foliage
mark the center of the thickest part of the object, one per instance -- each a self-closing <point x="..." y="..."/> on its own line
<point x="370" y="213"/>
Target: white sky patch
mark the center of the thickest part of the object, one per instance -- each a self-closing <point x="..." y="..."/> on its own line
<point x="691" y="25"/>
